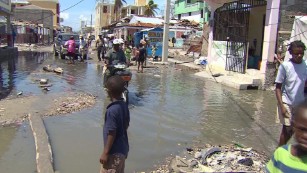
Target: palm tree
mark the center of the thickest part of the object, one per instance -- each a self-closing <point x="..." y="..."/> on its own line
<point x="150" y="9"/>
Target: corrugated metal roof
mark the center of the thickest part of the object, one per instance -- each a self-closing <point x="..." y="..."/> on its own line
<point x="20" y="1"/>
<point x="149" y="20"/>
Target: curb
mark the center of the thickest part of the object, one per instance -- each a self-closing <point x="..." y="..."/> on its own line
<point x="44" y="159"/>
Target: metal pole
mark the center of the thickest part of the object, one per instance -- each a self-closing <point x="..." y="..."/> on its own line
<point x="166" y="31"/>
<point x="91" y="24"/>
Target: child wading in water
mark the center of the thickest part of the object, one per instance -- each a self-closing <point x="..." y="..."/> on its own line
<point x="117" y="118"/>
<point x="293" y="158"/>
<point x="290" y="83"/>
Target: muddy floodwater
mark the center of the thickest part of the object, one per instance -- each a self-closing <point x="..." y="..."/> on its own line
<point x="170" y="109"/>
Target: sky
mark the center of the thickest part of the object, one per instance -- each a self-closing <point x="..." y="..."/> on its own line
<point x="73" y="16"/>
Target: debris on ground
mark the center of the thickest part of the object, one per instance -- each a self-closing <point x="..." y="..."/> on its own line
<point x="71" y="104"/>
<point x="20" y="93"/>
<point x="13" y="122"/>
<point x="227" y="158"/>
<point x="43" y="81"/>
<point x="57" y="70"/>
<point x="47" y="68"/>
<point x="46" y="89"/>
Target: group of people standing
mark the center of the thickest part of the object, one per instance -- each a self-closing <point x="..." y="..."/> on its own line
<point x="137" y="54"/>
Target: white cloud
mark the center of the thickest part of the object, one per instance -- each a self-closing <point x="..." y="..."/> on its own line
<point x="82" y="17"/>
<point x="64" y="15"/>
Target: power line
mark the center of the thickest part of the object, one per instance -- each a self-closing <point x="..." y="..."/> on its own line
<point x="72" y="6"/>
<point x="53" y="14"/>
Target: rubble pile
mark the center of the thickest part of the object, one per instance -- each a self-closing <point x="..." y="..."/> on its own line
<point x="229" y="158"/>
<point x="72" y="103"/>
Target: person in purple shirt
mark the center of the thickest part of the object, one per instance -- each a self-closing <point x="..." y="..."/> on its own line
<point x="71" y="46"/>
<point x="115" y="137"/>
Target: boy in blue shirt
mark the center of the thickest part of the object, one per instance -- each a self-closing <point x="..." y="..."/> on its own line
<point x="290" y="83"/>
<point x="292" y="158"/>
<point x="117" y="118"/>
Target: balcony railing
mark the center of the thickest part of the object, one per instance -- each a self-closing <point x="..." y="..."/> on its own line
<point x="197" y="4"/>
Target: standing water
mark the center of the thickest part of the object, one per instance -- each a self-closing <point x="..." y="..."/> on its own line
<point x="170" y="110"/>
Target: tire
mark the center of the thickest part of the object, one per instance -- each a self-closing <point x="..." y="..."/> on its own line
<point x="55" y="52"/>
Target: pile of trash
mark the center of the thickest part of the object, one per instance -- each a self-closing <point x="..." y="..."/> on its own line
<point x="201" y="61"/>
<point x="228" y="158"/>
<point x="73" y="103"/>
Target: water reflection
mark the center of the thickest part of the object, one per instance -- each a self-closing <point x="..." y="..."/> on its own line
<point x="15" y="69"/>
<point x="7" y="70"/>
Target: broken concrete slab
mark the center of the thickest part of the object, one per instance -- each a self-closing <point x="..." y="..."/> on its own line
<point x="44" y="159"/>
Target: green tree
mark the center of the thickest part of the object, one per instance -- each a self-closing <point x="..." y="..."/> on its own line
<point x="151" y="9"/>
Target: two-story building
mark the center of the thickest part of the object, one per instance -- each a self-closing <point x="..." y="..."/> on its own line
<point x="52" y="5"/>
<point x="192" y="10"/>
<point x="105" y="14"/>
<point x="5" y="14"/>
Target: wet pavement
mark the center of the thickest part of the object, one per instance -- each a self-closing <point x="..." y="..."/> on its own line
<point x="170" y="110"/>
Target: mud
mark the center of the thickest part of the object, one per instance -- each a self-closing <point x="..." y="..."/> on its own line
<point x="15" y="111"/>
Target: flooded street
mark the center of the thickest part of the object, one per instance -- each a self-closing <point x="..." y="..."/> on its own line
<point x="170" y="110"/>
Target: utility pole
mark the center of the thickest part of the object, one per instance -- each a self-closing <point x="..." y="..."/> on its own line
<point x="91" y="24"/>
<point x="166" y="31"/>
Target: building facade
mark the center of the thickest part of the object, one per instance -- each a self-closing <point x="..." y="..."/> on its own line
<point x="52" y="5"/>
<point x="105" y="14"/>
<point x="140" y="2"/>
<point x="33" y="24"/>
<point x="192" y="10"/>
<point x="5" y="14"/>
<point x="243" y="33"/>
<point x="289" y="9"/>
<point x="129" y="10"/>
<point x="66" y="29"/>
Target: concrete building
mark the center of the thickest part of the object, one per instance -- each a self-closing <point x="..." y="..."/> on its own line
<point x="66" y="29"/>
<point x="288" y="10"/>
<point x="243" y="33"/>
<point x="192" y="10"/>
<point x="34" y="14"/>
<point x="105" y="14"/>
<point x="140" y="2"/>
<point x="129" y="10"/>
<point x="33" y="24"/>
<point x="52" y="5"/>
